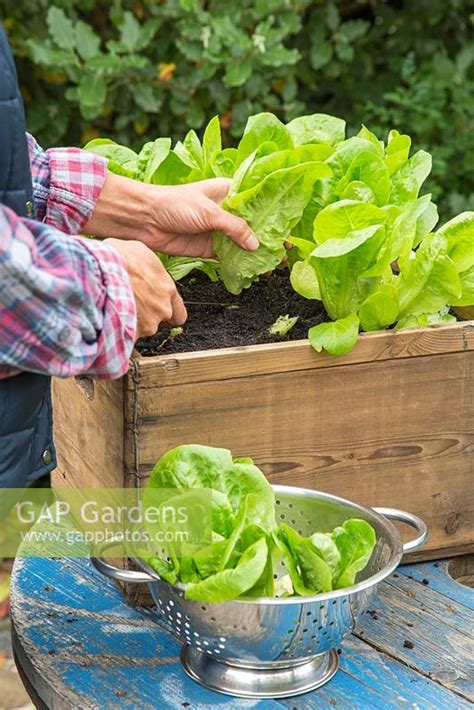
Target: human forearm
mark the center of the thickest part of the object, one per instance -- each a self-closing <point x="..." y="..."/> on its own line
<point x="66" y="304"/>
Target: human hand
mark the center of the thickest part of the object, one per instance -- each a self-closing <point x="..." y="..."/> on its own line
<point x="185" y="216"/>
<point x="174" y="219"/>
<point x="156" y="296"/>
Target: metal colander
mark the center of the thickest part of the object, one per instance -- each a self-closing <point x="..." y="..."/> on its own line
<point x="277" y="647"/>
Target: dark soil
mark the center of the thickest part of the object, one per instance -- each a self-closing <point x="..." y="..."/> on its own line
<point x="217" y="319"/>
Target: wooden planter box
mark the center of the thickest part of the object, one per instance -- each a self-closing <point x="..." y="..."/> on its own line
<point x="389" y="424"/>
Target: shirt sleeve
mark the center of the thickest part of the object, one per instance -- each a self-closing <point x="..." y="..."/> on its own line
<point x="66" y="303"/>
<point x="66" y="185"/>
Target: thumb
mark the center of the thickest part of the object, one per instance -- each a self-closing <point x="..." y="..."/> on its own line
<point x="235" y="227"/>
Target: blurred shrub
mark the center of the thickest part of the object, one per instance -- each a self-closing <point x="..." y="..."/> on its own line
<point x="136" y="69"/>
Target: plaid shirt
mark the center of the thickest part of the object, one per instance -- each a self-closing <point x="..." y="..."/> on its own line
<point x="66" y="303"/>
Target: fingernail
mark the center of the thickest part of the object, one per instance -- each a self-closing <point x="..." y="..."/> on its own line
<point x="251" y="243"/>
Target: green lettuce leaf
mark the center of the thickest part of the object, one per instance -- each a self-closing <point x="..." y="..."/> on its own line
<point x="304" y="279"/>
<point x="425" y="320"/>
<point x="260" y="128"/>
<point x="408" y="179"/>
<point x="467" y="285"/>
<point x="380" y="309"/>
<point x="328" y="551"/>
<point x="112" y="151"/>
<point x="429" y="280"/>
<point x="355" y="540"/>
<point x="397" y="151"/>
<point x="151" y="157"/>
<point x="310" y="573"/>
<point x="337" y="337"/>
<point x="366" y="170"/>
<point x="459" y="235"/>
<point x="180" y="266"/>
<point x="232" y="583"/>
<point x="271" y="208"/>
<point x="317" y="128"/>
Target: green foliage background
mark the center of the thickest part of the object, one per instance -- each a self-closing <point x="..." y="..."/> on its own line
<point x="134" y="70"/>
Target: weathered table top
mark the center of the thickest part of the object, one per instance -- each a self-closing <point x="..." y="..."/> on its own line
<point x="79" y="646"/>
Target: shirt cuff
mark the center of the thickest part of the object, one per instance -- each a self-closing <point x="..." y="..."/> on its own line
<point x="76" y="180"/>
<point x="117" y="301"/>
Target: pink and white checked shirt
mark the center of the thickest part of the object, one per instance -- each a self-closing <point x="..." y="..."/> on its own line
<point x="66" y="303"/>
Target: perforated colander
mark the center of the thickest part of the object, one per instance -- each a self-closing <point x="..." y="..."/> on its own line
<point x="277" y="647"/>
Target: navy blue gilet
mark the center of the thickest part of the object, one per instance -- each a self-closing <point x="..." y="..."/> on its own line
<point x="26" y="447"/>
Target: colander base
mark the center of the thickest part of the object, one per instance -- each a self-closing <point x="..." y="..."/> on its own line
<point x="224" y="677"/>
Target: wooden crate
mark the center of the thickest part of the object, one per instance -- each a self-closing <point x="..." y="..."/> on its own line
<point x="389" y="424"/>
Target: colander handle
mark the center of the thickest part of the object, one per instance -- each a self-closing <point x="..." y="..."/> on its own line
<point x="413" y="521"/>
<point x="122" y="575"/>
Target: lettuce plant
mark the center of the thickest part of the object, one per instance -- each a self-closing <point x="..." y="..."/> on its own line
<point x="246" y="542"/>
<point x="363" y="235"/>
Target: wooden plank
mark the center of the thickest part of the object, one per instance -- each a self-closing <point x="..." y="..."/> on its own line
<point x="251" y="360"/>
<point x="88" y="432"/>
<point x="438" y="578"/>
<point x="371" y="679"/>
<point x="425" y="631"/>
<point x="374" y="433"/>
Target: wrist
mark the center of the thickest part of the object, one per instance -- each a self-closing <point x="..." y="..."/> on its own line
<point x="125" y="209"/>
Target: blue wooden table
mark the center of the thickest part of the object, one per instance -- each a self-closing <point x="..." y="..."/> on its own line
<point x="78" y="646"/>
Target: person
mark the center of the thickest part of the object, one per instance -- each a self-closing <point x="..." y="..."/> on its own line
<point x="71" y="305"/>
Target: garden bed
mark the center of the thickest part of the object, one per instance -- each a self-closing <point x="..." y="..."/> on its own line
<point x="218" y="319"/>
<point x="390" y="423"/>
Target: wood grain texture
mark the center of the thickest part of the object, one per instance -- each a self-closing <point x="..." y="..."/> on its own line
<point x="439" y="631"/>
<point x="397" y="433"/>
<point x="83" y="648"/>
<point x="254" y="360"/>
<point x="88" y="432"/>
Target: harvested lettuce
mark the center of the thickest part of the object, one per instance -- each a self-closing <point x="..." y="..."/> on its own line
<point x="246" y="545"/>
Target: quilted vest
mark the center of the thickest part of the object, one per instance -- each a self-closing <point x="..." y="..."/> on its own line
<point x="26" y="446"/>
